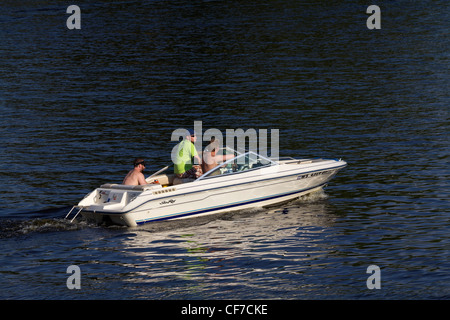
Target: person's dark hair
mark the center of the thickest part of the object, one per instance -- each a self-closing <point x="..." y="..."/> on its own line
<point x="138" y="161"/>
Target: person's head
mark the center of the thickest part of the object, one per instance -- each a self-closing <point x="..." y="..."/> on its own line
<point x="192" y="136"/>
<point x="139" y="163"/>
<point x="213" y="146"/>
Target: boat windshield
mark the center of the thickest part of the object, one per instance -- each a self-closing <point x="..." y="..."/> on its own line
<point x="240" y="163"/>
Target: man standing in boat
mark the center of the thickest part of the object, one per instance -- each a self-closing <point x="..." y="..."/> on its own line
<point x="135" y="177"/>
<point x="184" y="158"/>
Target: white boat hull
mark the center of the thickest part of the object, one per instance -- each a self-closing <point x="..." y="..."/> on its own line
<point x="132" y="206"/>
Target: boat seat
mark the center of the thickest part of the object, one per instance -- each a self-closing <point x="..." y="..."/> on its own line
<point x="163" y="179"/>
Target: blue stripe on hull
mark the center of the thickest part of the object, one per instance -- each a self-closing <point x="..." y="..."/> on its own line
<point x="228" y="206"/>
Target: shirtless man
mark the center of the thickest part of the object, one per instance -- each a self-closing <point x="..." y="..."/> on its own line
<point x="210" y="158"/>
<point x="135" y="177"/>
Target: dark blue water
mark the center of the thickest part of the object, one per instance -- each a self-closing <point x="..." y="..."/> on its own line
<point x="78" y="105"/>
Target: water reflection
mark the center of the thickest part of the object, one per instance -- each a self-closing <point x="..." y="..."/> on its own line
<point x="256" y="251"/>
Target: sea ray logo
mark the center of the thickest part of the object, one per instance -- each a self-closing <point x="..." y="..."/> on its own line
<point x="171" y="201"/>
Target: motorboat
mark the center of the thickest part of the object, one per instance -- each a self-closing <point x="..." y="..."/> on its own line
<point x="247" y="180"/>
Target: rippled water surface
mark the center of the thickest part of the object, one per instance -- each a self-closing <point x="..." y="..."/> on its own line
<point x="78" y="105"/>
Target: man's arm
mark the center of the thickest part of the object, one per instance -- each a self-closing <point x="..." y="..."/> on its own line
<point x="141" y="179"/>
<point x="199" y="160"/>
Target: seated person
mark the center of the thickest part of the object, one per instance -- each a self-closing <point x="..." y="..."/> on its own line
<point x="136" y="177"/>
<point x="185" y="153"/>
<point x="210" y="157"/>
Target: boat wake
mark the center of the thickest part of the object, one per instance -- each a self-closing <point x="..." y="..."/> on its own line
<point x="315" y="196"/>
<point x="47" y="220"/>
<point x="12" y="227"/>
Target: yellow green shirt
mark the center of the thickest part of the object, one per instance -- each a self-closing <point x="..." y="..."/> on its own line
<point x="183" y="160"/>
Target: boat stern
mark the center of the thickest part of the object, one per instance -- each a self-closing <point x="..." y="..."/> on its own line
<point x="111" y="202"/>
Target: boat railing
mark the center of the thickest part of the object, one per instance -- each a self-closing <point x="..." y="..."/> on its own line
<point x="76" y="214"/>
<point x="282" y="158"/>
<point x="127" y="187"/>
<point x="290" y="160"/>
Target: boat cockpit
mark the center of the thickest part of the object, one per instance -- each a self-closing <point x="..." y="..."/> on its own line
<point x="239" y="163"/>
